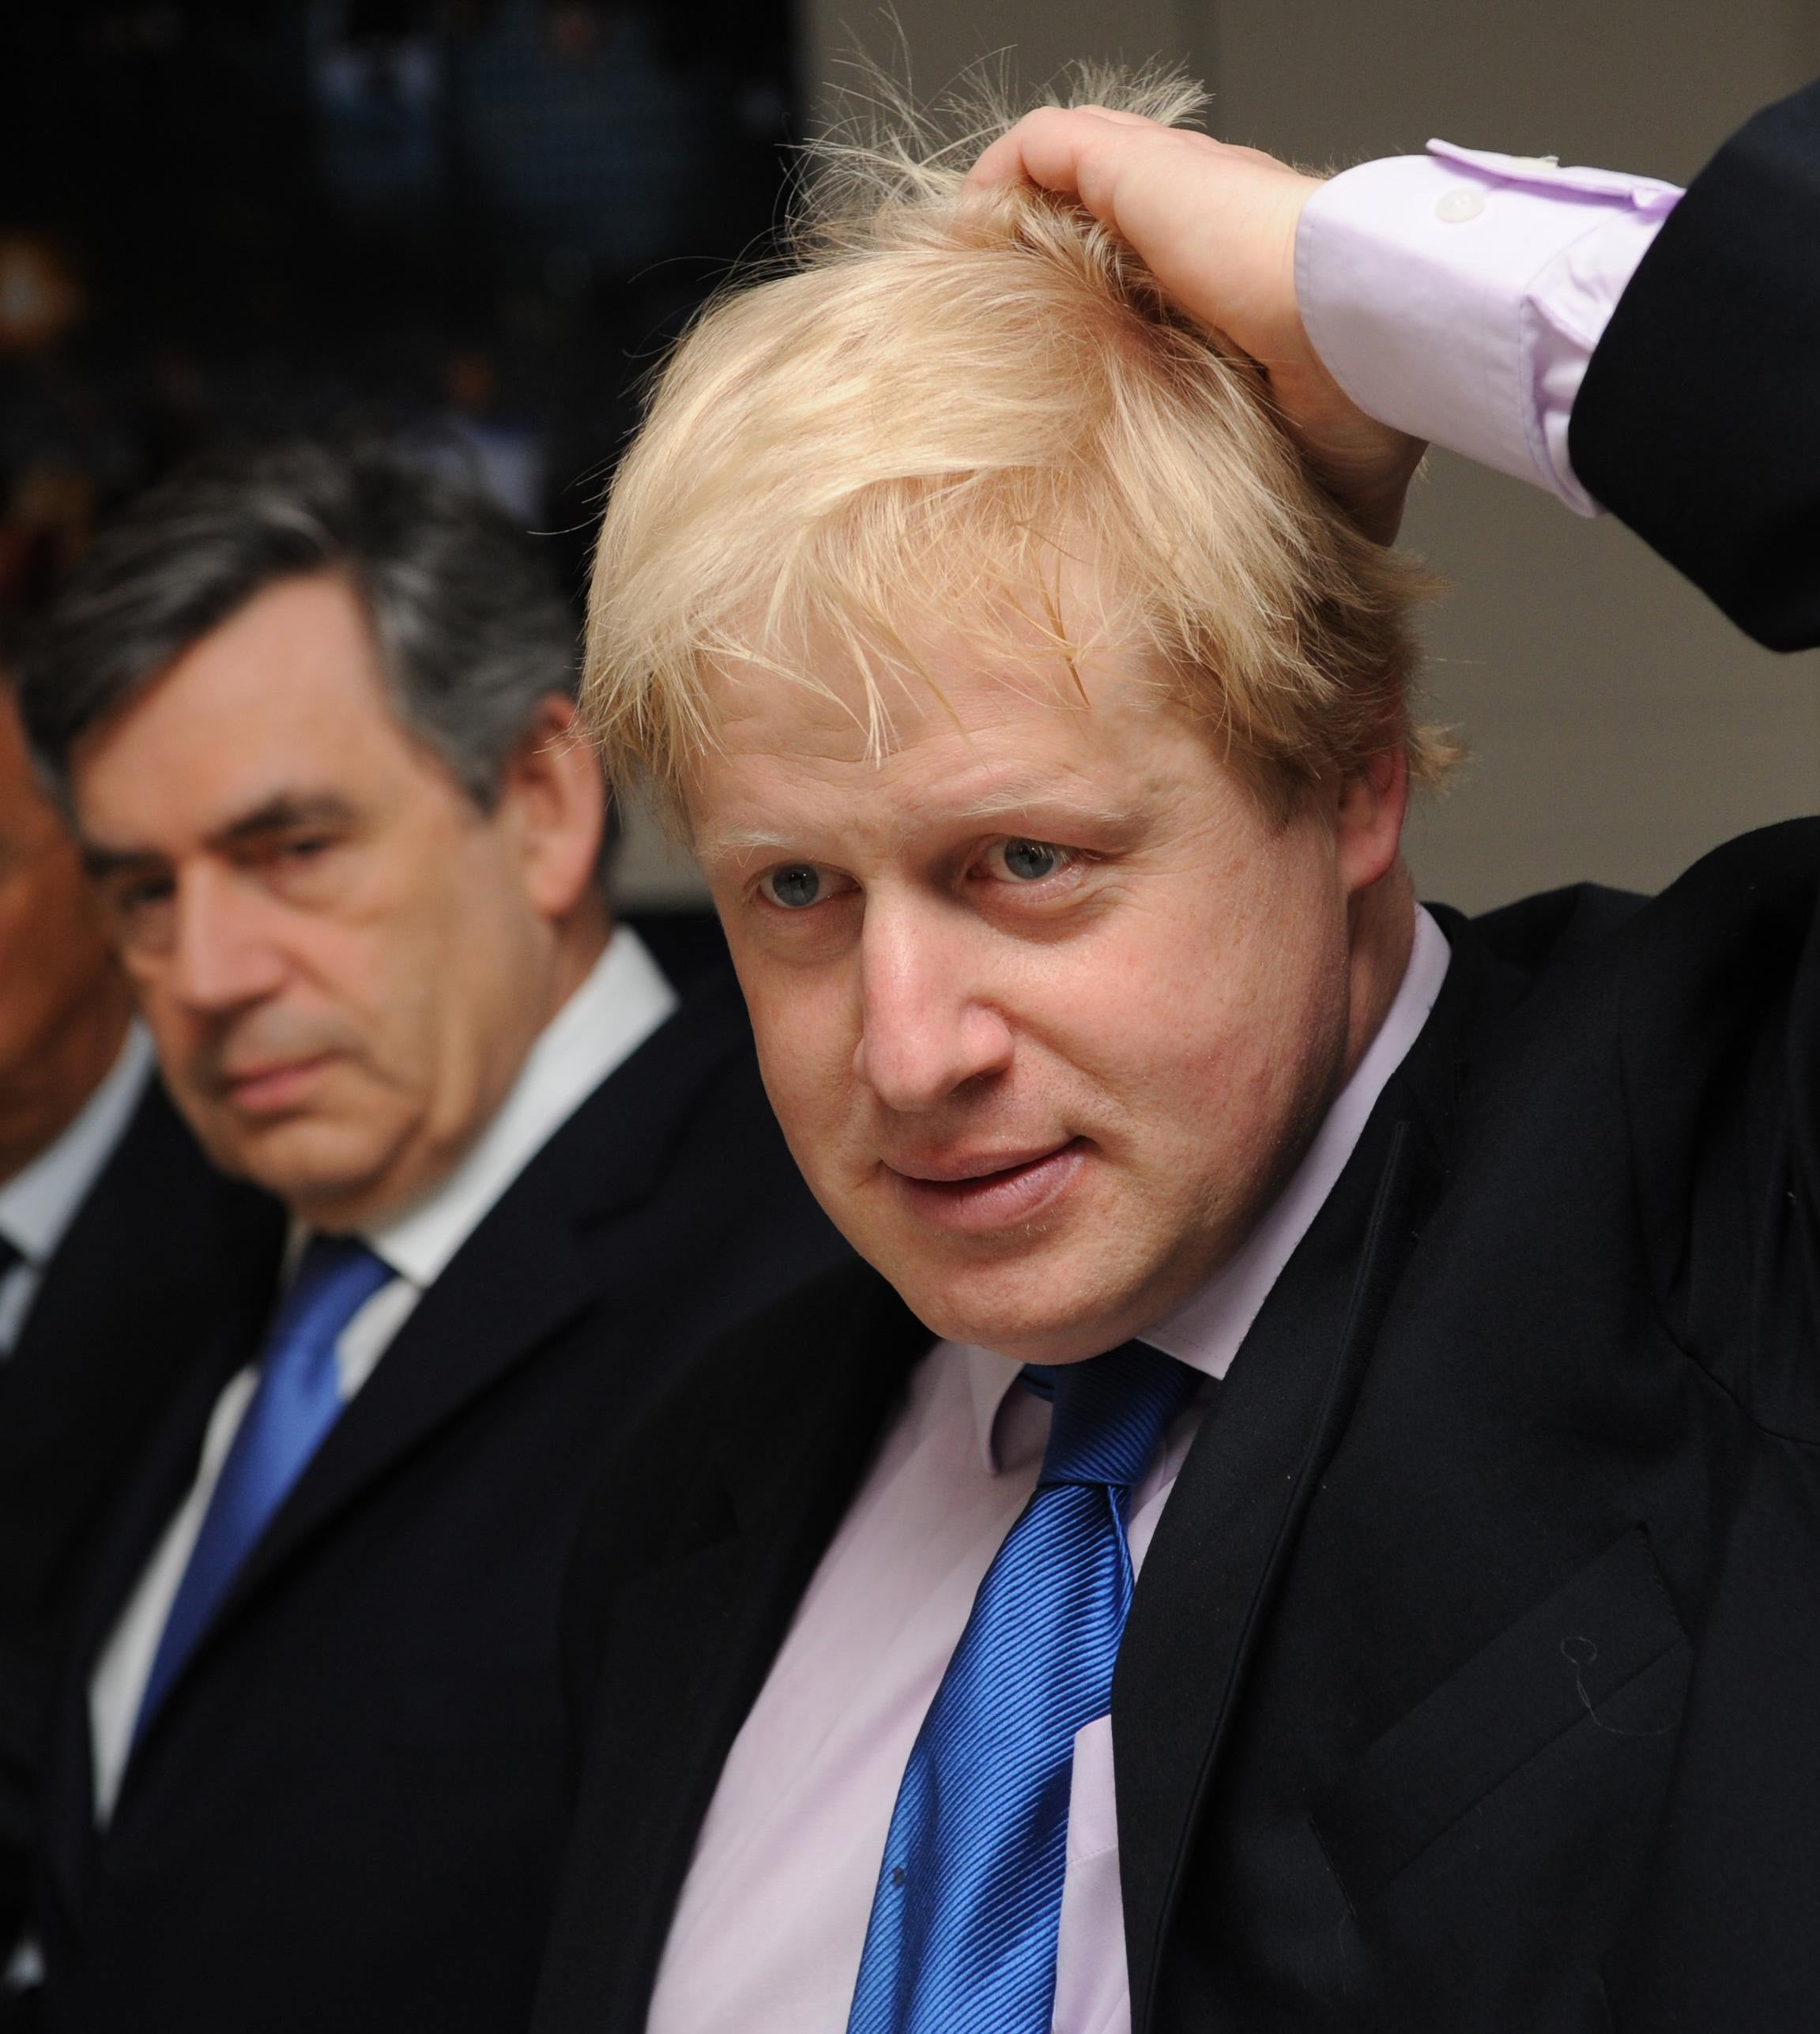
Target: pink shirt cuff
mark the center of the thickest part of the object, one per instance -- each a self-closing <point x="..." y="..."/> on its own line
<point x="1458" y="295"/>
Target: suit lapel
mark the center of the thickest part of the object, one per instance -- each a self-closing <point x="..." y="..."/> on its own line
<point x="518" y="1280"/>
<point x="1229" y="1527"/>
<point x="126" y="1239"/>
<point x="692" y="1637"/>
<point x="530" y="1267"/>
<point x="152" y="1295"/>
<point x="144" y="1193"/>
<point x="162" y="1253"/>
<point x="152" y="1496"/>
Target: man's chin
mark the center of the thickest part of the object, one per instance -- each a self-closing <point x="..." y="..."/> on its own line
<point x="324" y="1171"/>
<point x="1036" y="1309"/>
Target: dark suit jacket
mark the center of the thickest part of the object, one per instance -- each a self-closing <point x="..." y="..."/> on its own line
<point x="1697" y="422"/>
<point x="348" y="1812"/>
<point x="160" y="1249"/>
<point x="1472" y="1680"/>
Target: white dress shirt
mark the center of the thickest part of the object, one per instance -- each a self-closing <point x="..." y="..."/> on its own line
<point x="769" y="1931"/>
<point x="624" y="1000"/>
<point x="1457" y="295"/>
<point x="38" y="1205"/>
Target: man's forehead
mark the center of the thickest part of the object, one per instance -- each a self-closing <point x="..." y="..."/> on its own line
<point x="283" y="703"/>
<point x="171" y="786"/>
<point x="966" y="693"/>
<point x="750" y="804"/>
<point x="968" y="737"/>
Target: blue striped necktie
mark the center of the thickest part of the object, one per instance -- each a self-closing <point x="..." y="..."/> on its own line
<point x="296" y="1401"/>
<point x="968" y="1904"/>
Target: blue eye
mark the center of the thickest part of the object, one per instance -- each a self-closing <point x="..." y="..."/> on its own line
<point x="1030" y="861"/>
<point x="794" y="886"/>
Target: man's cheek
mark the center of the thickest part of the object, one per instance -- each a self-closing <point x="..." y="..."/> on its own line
<point x="799" y="1054"/>
<point x="780" y="1069"/>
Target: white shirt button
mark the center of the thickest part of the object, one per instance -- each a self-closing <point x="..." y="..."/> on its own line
<point x="1455" y="207"/>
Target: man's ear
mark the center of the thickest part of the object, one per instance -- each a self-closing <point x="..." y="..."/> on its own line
<point x="1373" y="802"/>
<point x="552" y="789"/>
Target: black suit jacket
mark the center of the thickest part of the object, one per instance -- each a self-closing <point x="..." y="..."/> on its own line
<point x="348" y="1812"/>
<point x="1697" y="421"/>
<point x="162" y="1248"/>
<point x="1473" y="1677"/>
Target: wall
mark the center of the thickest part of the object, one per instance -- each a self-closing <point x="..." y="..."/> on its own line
<point x="1619" y="725"/>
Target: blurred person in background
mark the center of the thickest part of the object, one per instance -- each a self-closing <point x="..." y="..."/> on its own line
<point x="122" y="1250"/>
<point x="314" y="713"/>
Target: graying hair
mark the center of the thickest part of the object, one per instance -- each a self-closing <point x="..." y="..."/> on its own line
<point x="471" y="633"/>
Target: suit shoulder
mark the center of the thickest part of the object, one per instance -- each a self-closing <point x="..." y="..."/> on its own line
<point x="684" y="1129"/>
<point x="1653" y="1080"/>
<point x="1557" y="924"/>
<point x="752" y="1392"/>
<point x="1757" y="895"/>
<point x="1739" y="920"/>
<point x="755" y="1378"/>
<point x="160" y="1197"/>
<point x="692" y="1079"/>
<point x="807" y="1377"/>
<point x="1696" y="423"/>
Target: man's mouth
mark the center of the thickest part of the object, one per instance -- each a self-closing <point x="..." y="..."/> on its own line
<point x="270" y="1087"/>
<point x="976" y="1192"/>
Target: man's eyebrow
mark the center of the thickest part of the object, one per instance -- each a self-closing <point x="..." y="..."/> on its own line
<point x="280" y="813"/>
<point x="1047" y="803"/>
<point x="740" y="840"/>
<point x="100" y="861"/>
<point x="283" y="811"/>
<point x="1048" y="800"/>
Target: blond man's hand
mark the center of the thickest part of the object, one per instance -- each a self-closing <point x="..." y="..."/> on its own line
<point x="1216" y="226"/>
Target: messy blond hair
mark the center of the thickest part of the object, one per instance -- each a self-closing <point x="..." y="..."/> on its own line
<point x="929" y="411"/>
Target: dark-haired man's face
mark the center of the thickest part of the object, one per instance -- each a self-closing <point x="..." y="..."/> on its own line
<point x="342" y="960"/>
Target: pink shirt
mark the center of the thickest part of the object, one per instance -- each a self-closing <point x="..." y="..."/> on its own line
<point x="1458" y="295"/>
<point x="768" y="1932"/>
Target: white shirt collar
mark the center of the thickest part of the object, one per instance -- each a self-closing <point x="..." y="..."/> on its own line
<point x="38" y="1205"/>
<point x="1205" y="1332"/>
<point x="621" y="1003"/>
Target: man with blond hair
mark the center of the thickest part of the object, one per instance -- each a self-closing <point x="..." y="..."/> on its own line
<point x="1312" y="1517"/>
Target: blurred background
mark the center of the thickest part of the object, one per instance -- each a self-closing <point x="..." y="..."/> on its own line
<point x="473" y="224"/>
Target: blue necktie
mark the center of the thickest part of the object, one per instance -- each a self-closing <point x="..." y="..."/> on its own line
<point x="296" y="1401"/>
<point x="968" y="1904"/>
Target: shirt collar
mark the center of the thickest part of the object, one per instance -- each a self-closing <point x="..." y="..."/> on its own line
<point x="624" y="999"/>
<point x="38" y="1205"/>
<point x="1205" y="1334"/>
<point x="989" y="1378"/>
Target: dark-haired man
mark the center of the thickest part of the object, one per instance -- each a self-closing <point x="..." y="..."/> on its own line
<point x="120" y="1248"/>
<point x="314" y="713"/>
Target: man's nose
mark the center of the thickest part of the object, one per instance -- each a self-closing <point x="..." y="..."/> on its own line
<point x="928" y="1023"/>
<point x="221" y="956"/>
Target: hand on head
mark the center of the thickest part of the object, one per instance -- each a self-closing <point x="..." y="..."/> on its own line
<point x="1216" y="225"/>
